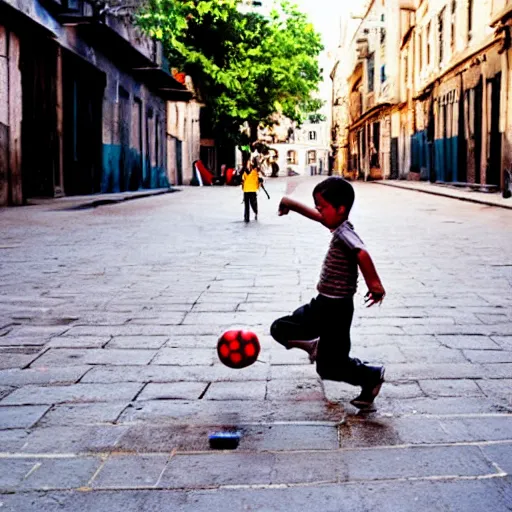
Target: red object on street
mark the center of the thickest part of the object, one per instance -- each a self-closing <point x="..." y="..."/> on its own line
<point x="206" y="175"/>
<point x="238" y="349"/>
<point x="229" y="175"/>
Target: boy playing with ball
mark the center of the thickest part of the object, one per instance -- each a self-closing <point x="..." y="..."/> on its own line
<point x="322" y="327"/>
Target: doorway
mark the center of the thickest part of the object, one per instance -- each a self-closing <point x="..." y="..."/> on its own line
<point x="477" y="123"/>
<point x="493" y="170"/>
<point x="83" y="87"/>
<point x="39" y="137"/>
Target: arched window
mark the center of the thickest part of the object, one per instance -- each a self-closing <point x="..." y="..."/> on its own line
<point x="311" y="157"/>
<point x="291" y="157"/>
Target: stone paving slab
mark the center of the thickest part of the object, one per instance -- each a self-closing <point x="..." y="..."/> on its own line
<point x="20" y="416"/>
<point x="72" y="357"/>
<point x="497" y="388"/>
<point x="137" y="342"/>
<point x="498" y="371"/>
<point x="10" y="361"/>
<point x="245" y="390"/>
<point x="65" y="473"/>
<point x="5" y="390"/>
<point x="185" y="357"/>
<point x="505" y="342"/>
<point x="418" y="430"/>
<point x="78" y="342"/>
<point x="304" y="390"/>
<point x="185" y="341"/>
<point x="431" y="355"/>
<point x="501" y="455"/>
<point x="417" y="371"/>
<point x="124" y="330"/>
<point x="71" y="440"/>
<point x="442" y="405"/>
<point x="468" y="342"/>
<point x="21" y="341"/>
<point x="38" y="331"/>
<point x="30" y="395"/>
<point x="173" y="391"/>
<point x="131" y="471"/>
<point x="42" y="375"/>
<point x="488" y="356"/>
<point x="82" y="414"/>
<point x="451" y="387"/>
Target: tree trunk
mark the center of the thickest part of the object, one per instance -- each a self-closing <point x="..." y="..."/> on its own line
<point x="253" y="125"/>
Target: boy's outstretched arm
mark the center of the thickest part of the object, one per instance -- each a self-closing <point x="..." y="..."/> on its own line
<point x="288" y="204"/>
<point x="376" y="291"/>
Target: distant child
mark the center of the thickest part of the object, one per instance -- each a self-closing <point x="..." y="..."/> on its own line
<point x="322" y="327"/>
<point x="250" y="185"/>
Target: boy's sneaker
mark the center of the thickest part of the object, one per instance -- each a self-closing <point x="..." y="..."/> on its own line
<point x="369" y="392"/>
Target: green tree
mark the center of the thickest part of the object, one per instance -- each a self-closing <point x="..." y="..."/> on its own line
<point x="246" y="67"/>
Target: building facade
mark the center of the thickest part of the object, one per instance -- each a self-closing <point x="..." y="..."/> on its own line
<point x="183" y="140"/>
<point x="300" y="150"/>
<point x="447" y="115"/>
<point x="371" y="95"/>
<point x="83" y="102"/>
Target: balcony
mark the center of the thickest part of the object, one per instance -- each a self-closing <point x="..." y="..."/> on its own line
<point x="362" y="48"/>
<point x="408" y="5"/>
<point x="128" y="46"/>
<point x="501" y="12"/>
<point x="69" y="7"/>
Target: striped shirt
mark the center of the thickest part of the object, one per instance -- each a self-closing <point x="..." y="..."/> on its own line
<point x="338" y="278"/>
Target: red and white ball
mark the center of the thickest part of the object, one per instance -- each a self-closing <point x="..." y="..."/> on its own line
<point x="238" y="349"/>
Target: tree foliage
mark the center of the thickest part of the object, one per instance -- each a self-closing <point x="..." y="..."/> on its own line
<point x="246" y="66"/>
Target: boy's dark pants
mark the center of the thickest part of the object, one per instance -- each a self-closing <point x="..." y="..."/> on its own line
<point x="329" y="320"/>
<point x="250" y="198"/>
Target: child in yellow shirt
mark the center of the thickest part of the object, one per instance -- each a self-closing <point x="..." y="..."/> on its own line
<point x="250" y="186"/>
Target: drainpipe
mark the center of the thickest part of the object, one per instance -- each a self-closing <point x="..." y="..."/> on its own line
<point x="504" y="108"/>
<point x="485" y="135"/>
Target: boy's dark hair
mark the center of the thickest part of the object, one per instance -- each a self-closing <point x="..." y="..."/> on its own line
<point x="336" y="191"/>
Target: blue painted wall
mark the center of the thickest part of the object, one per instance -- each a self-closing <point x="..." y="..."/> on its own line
<point x="419" y="151"/>
<point x="123" y="171"/>
<point x="446" y="159"/>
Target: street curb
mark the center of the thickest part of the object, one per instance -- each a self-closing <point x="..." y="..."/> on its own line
<point x="68" y="203"/>
<point x="445" y="194"/>
<point x="104" y="201"/>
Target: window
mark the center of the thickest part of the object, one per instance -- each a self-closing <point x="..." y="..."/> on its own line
<point x="157" y="141"/>
<point x="383" y="76"/>
<point x="470" y="19"/>
<point x="371" y="72"/>
<point x="406" y="71"/>
<point x="312" y="136"/>
<point x="311" y="157"/>
<point x="428" y="43"/>
<point x="453" y="25"/>
<point x="440" y="25"/>
<point x="291" y="157"/>
<point x="420" y="50"/>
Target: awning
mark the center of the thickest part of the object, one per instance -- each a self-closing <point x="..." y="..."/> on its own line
<point x="158" y="79"/>
<point x="377" y="109"/>
<point x="122" y="52"/>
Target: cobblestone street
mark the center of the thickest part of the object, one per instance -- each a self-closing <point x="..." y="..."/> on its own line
<point x="110" y="382"/>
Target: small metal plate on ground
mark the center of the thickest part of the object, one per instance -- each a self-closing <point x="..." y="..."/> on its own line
<point x="224" y="440"/>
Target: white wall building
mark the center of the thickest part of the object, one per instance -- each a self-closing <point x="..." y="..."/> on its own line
<point x="303" y="150"/>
